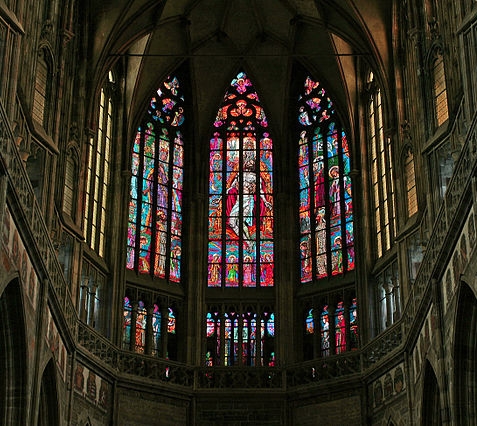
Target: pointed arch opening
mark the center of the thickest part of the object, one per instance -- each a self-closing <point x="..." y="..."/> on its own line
<point x="240" y="232"/>
<point x="431" y="405"/>
<point x="13" y="366"/>
<point x="465" y="359"/>
<point x="326" y="202"/>
<point x="154" y="243"/>
<point x="48" y="412"/>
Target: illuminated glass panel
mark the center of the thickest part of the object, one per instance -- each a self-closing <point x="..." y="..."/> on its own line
<point x="325" y="194"/>
<point x="381" y="172"/>
<point x="127" y="310"/>
<point x="247" y="340"/>
<point x="340" y="329"/>
<point x="140" y="342"/>
<point x="156" y="330"/>
<point x="325" y="331"/>
<point x="353" y="325"/>
<point x="213" y="339"/>
<point x="155" y="206"/>
<point x="310" y="322"/>
<point x="171" y="322"/>
<point x="231" y="338"/>
<point x="98" y="173"/>
<point x="240" y="248"/>
<point x="42" y="80"/>
<point x="411" y="193"/>
<point x="440" y="91"/>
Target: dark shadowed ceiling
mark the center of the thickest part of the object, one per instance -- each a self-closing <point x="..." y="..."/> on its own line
<point x="264" y="37"/>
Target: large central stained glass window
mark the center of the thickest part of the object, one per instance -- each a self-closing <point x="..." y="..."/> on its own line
<point x="326" y="205"/>
<point x="155" y="206"/>
<point x="240" y="235"/>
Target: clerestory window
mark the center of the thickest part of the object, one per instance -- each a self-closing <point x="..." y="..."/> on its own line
<point x="326" y="203"/>
<point x="154" y="243"/>
<point x="241" y="250"/>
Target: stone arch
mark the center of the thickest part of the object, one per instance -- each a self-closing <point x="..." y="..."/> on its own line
<point x="465" y="350"/>
<point x="431" y="395"/>
<point x="48" y="414"/>
<point x="13" y="363"/>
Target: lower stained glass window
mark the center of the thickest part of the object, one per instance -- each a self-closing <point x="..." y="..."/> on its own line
<point x="244" y="339"/>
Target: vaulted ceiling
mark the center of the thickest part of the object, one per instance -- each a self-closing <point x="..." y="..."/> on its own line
<point x="217" y="37"/>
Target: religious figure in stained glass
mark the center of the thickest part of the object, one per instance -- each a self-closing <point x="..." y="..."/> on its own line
<point x="340" y="329"/>
<point x="241" y="251"/>
<point x="325" y="331"/>
<point x="155" y="207"/>
<point x="325" y="198"/>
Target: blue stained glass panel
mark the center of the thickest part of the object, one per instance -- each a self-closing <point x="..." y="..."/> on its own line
<point x="157" y="171"/>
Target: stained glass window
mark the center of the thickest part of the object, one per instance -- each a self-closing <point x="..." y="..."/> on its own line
<point x="340" y="329"/>
<point x="240" y="250"/>
<point x="353" y="325"/>
<point x="135" y="337"/>
<point x="42" y="82"/>
<point x="440" y="90"/>
<point x="70" y="182"/>
<point x="171" y="322"/>
<point x="325" y="331"/>
<point x="333" y="338"/>
<point x="155" y="207"/>
<point x="247" y="339"/>
<point x="326" y="206"/>
<point x="127" y="310"/>
<point x="98" y="173"/>
<point x="140" y="336"/>
<point x="156" y="330"/>
<point x="310" y="322"/>
<point x="410" y="178"/>
<point x="382" y="179"/>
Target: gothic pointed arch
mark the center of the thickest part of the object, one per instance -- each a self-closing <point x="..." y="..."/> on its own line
<point x="431" y="394"/>
<point x="13" y="365"/>
<point x="465" y="351"/>
<point x="326" y="200"/>
<point x="240" y="232"/>
<point x="154" y="242"/>
<point x="48" y="414"/>
<point x="241" y="250"/>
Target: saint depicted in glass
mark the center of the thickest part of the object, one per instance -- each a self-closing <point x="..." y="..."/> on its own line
<point x="240" y="251"/>
<point x="326" y="206"/>
<point x="155" y="207"/>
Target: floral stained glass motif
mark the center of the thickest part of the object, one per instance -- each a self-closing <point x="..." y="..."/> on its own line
<point x="155" y="206"/>
<point x="325" y="198"/>
<point x="240" y="249"/>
